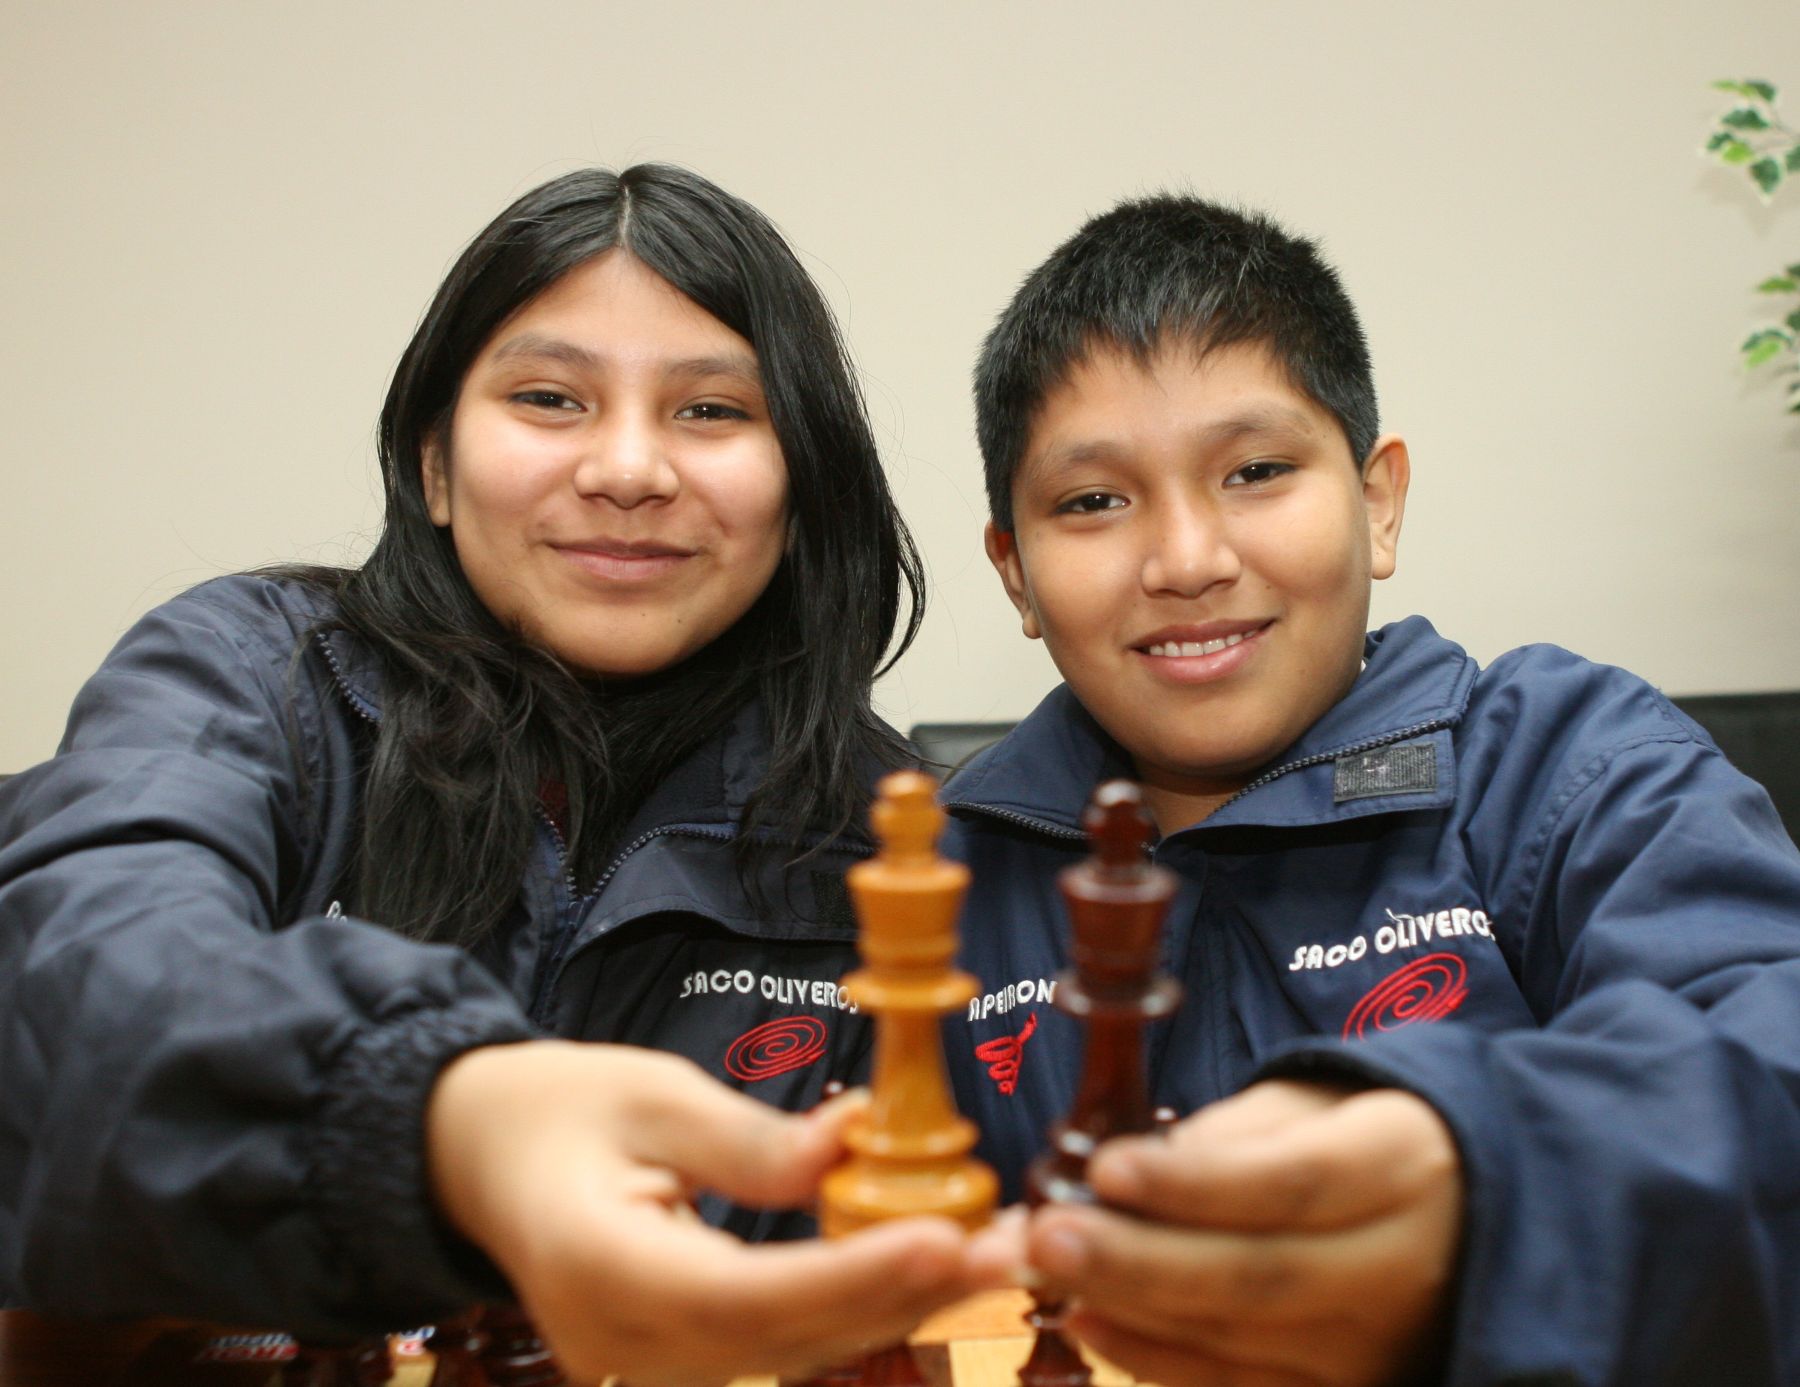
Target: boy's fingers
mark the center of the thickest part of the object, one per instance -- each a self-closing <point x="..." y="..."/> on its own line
<point x="1357" y="1159"/>
<point x="1148" y="1276"/>
<point x="1260" y="1108"/>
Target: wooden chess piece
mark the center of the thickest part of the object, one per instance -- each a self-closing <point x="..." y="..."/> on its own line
<point x="492" y="1346"/>
<point x="456" y="1348"/>
<point x="367" y="1364"/>
<point x="514" y="1355"/>
<point x="910" y="1152"/>
<point x="1116" y="900"/>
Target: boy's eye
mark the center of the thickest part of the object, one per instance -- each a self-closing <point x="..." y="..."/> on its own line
<point x="1258" y="472"/>
<point x="711" y="410"/>
<point x="1090" y="503"/>
<point x="545" y="399"/>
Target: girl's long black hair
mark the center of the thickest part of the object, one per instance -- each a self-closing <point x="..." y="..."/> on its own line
<point x="476" y="723"/>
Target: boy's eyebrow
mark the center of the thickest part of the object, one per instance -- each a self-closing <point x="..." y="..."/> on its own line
<point x="534" y="345"/>
<point x="1259" y="419"/>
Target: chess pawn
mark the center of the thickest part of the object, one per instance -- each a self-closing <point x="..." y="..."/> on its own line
<point x="1116" y="899"/>
<point x="910" y="1152"/>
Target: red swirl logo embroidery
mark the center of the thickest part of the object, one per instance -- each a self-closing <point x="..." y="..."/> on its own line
<point x="776" y="1047"/>
<point x="1003" y="1055"/>
<point x="1427" y="989"/>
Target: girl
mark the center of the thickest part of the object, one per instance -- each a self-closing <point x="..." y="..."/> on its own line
<point x="579" y="752"/>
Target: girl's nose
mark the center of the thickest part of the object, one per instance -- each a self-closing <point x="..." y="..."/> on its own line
<point x="626" y="462"/>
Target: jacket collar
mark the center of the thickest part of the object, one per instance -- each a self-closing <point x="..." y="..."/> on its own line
<point x="1412" y="691"/>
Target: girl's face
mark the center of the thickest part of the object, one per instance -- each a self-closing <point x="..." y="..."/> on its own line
<point x="611" y="481"/>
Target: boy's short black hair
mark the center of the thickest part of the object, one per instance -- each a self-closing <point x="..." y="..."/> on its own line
<point x="1161" y="268"/>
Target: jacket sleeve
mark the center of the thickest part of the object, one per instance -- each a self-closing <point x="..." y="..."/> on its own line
<point x="205" y="1109"/>
<point x="1632" y="1167"/>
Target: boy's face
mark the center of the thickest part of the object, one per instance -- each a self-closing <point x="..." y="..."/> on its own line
<point x="1193" y="543"/>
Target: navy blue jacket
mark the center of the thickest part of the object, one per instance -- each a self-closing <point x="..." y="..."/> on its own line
<point x="1538" y="897"/>
<point x="212" y="1079"/>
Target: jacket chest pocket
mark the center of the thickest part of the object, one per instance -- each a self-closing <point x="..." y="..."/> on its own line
<point x="768" y="1016"/>
<point x="1381" y="970"/>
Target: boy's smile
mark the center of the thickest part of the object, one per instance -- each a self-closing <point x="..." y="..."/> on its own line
<point x="1194" y="545"/>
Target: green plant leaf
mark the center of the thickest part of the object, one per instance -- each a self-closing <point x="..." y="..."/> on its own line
<point x="1779" y="284"/>
<point x="1754" y="88"/>
<point x="1793" y="320"/>
<point x="1765" y="344"/>
<point x="1720" y="138"/>
<point x="1793" y="157"/>
<point x="1745" y="118"/>
<point x="1768" y="174"/>
<point x="1735" y="151"/>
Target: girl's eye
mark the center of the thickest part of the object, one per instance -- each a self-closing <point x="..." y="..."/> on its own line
<point x="1256" y="473"/>
<point x="1090" y="503"/>
<point x="545" y="399"/>
<point x="711" y="410"/>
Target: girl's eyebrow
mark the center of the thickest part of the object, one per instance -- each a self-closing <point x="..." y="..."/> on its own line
<point x="738" y="365"/>
<point x="535" y="346"/>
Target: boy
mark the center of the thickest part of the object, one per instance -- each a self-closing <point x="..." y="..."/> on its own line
<point x="1500" y="964"/>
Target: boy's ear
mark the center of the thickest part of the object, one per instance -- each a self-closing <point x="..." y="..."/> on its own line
<point x="1385" y="480"/>
<point x="431" y="477"/>
<point x="1003" y="553"/>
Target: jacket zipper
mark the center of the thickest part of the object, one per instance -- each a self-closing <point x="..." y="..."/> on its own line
<point x="1044" y="826"/>
<point x="568" y="925"/>
<point x="351" y="697"/>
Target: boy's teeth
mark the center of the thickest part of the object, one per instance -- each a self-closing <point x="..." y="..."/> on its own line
<point x="1170" y="649"/>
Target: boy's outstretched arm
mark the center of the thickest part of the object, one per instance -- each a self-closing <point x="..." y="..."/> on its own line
<point x="1293" y="1234"/>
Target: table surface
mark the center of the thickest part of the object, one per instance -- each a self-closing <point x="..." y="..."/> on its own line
<point x="978" y="1343"/>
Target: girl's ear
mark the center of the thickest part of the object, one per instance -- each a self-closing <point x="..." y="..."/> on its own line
<point x="432" y="478"/>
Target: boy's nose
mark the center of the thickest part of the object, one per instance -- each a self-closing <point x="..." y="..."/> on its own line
<point x="626" y="463"/>
<point x="1190" y="551"/>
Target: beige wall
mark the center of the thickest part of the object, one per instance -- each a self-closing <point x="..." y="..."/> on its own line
<point x="222" y="219"/>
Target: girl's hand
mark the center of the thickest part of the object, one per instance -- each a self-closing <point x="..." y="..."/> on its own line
<point x="571" y="1164"/>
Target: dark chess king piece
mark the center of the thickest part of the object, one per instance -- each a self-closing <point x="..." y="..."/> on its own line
<point x="1116" y="900"/>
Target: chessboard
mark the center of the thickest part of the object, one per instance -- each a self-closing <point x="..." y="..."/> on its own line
<point x="978" y="1343"/>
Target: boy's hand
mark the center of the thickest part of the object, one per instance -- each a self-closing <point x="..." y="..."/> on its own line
<point x="1294" y="1234"/>
<point x="570" y="1165"/>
